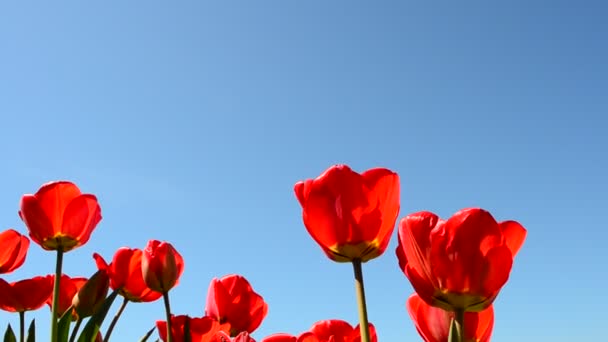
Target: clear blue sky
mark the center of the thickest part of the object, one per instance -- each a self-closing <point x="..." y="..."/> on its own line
<point x="192" y="121"/>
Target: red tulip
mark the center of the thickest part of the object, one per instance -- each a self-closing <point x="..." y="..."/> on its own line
<point x="222" y="336"/>
<point x="25" y="295"/>
<point x="90" y="297"/>
<point x="68" y="287"/>
<point x="13" y="249"/>
<point x="59" y="217"/>
<point x="161" y="266"/>
<point x="201" y="329"/>
<point x="350" y="215"/>
<point x="231" y="300"/>
<point x="461" y="263"/>
<point x="281" y="337"/>
<point x="433" y="323"/>
<point x="126" y="275"/>
<point x="335" y="330"/>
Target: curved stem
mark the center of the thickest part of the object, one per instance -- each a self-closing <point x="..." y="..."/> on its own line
<point x="55" y="306"/>
<point x="21" y="326"/>
<point x="168" y="312"/>
<point x="363" y="324"/>
<point x="76" y="327"/>
<point x="115" y="319"/>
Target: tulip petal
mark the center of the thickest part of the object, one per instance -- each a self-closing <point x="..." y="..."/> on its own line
<point x="80" y="218"/>
<point x="514" y="234"/>
<point x="54" y="197"/>
<point x="38" y="224"/>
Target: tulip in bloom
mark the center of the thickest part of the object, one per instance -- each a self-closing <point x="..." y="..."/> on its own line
<point x="161" y="266"/>
<point x="459" y="264"/>
<point x="25" y="295"/>
<point x="335" y="330"/>
<point x="68" y="287"/>
<point x="433" y="323"/>
<point x="201" y="329"/>
<point x="351" y="216"/>
<point x="126" y="275"/>
<point x="59" y="217"/>
<point x="231" y="300"/>
<point x="13" y="249"/>
<point x="221" y="336"/>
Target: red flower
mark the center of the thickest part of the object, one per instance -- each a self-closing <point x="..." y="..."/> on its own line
<point x="335" y="330"/>
<point x="350" y="215"/>
<point x="68" y="287"/>
<point x="161" y="266"/>
<point x="59" y="217"/>
<point x="202" y="329"/>
<point x="222" y="336"/>
<point x="232" y="300"/>
<point x="281" y="337"/>
<point x="126" y="275"/>
<point x="433" y="323"/>
<point x="461" y="263"/>
<point x="25" y="295"/>
<point x="13" y="249"/>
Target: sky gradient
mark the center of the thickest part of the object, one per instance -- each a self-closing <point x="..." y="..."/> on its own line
<point x="192" y="122"/>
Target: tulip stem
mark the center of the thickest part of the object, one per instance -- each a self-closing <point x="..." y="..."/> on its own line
<point x="363" y="324"/>
<point x="76" y="327"/>
<point x="21" y="326"/>
<point x="168" y="312"/>
<point x="55" y="306"/>
<point x="115" y="319"/>
<point x="457" y="327"/>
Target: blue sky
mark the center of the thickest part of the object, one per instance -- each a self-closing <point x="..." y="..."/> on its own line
<point x="191" y="122"/>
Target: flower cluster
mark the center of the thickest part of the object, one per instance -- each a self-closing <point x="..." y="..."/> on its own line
<point x="456" y="266"/>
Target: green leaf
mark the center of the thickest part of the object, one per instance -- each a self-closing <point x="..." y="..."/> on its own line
<point x="89" y="333"/>
<point x="63" y="327"/>
<point x="31" y="332"/>
<point x="147" y="335"/>
<point x="9" y="335"/>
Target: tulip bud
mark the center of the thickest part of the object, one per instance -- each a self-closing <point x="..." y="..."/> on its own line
<point x="161" y="266"/>
<point x="89" y="299"/>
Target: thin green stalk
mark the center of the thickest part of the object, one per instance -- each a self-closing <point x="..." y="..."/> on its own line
<point x="457" y="327"/>
<point x="115" y="319"/>
<point x="360" y="289"/>
<point x="459" y="324"/>
<point x="21" y="326"/>
<point x="168" y="312"/>
<point x="55" y="306"/>
<point x="76" y="327"/>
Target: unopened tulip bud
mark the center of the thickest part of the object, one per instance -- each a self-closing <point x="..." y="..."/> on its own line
<point x="91" y="296"/>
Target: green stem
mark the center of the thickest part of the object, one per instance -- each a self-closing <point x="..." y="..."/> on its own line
<point x="76" y="327"/>
<point x="459" y="320"/>
<point x="115" y="319"/>
<point x="363" y="324"/>
<point x="168" y="312"/>
<point x="457" y="327"/>
<point x="55" y="306"/>
<point x="21" y="326"/>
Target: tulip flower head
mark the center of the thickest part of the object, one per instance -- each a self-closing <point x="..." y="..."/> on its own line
<point x="25" y="295"/>
<point x="161" y="266"/>
<point x="433" y="323"/>
<point x="232" y="300"/>
<point x="59" y="216"/>
<point x="13" y="250"/>
<point x="350" y="215"/>
<point x="459" y="264"/>
<point x="126" y="275"/>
